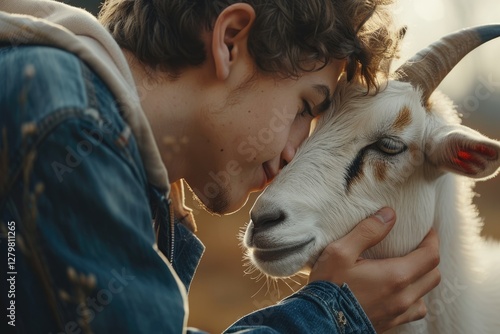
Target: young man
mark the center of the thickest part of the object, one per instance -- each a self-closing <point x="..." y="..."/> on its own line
<point x="91" y="119"/>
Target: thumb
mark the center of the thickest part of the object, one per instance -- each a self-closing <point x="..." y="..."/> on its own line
<point x="368" y="233"/>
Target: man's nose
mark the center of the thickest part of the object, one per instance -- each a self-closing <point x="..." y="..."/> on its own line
<point x="295" y="139"/>
<point x="288" y="153"/>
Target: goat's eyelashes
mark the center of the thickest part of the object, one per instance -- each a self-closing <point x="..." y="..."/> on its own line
<point x="390" y="146"/>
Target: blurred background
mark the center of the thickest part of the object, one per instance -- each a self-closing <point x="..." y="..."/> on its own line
<point x="221" y="292"/>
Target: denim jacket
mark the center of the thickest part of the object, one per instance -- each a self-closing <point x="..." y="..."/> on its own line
<point x="74" y="191"/>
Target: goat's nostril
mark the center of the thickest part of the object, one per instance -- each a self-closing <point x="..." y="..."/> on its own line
<point x="268" y="220"/>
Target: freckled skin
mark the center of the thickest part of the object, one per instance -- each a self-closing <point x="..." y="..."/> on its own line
<point x="251" y="121"/>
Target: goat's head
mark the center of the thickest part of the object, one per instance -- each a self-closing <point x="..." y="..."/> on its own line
<point x="371" y="151"/>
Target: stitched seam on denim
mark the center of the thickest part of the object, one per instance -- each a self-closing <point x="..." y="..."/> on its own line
<point x="325" y="304"/>
<point x="360" y="312"/>
<point x="88" y="77"/>
<point x="44" y="128"/>
<point x="91" y="80"/>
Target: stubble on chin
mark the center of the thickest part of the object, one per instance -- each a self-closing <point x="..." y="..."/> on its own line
<point x="217" y="205"/>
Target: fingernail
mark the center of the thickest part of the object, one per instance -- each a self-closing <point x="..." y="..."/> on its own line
<point x="386" y="215"/>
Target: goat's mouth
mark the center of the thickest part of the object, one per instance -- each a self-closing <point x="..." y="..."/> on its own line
<point x="276" y="254"/>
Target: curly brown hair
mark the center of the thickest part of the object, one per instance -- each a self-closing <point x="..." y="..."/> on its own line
<point x="286" y="35"/>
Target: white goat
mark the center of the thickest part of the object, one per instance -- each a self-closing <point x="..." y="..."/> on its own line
<point x="401" y="148"/>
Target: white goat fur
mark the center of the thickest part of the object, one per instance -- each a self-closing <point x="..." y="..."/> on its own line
<point x="421" y="184"/>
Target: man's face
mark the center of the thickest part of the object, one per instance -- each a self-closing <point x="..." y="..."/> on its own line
<point x="247" y="136"/>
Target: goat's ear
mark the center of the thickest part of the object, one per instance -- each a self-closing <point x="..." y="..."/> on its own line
<point x="461" y="150"/>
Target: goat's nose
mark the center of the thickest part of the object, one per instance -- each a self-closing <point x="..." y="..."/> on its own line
<point x="267" y="220"/>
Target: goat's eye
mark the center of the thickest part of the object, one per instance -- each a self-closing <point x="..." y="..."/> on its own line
<point x="390" y="146"/>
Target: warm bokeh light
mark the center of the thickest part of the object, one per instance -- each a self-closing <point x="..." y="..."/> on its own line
<point x="429" y="10"/>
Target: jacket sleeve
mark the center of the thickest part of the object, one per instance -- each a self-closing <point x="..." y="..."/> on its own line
<point x="320" y="307"/>
<point x="76" y="188"/>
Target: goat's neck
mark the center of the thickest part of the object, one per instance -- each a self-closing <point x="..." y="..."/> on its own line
<point x="459" y="303"/>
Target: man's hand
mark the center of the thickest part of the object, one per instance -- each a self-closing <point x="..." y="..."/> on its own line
<point x="389" y="290"/>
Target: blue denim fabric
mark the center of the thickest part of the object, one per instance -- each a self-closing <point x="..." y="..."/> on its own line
<point x="72" y="180"/>
<point x="93" y="214"/>
<point x="320" y="307"/>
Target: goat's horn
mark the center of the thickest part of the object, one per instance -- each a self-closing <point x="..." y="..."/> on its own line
<point x="431" y="65"/>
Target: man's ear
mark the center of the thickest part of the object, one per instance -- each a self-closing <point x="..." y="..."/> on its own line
<point x="459" y="149"/>
<point x="230" y="36"/>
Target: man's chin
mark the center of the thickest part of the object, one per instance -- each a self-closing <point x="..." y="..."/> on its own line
<point x="222" y="204"/>
<point x="235" y="206"/>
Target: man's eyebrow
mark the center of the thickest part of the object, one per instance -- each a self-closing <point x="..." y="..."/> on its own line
<point x="323" y="106"/>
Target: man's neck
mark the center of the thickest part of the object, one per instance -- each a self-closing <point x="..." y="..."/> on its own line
<point x="169" y="113"/>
